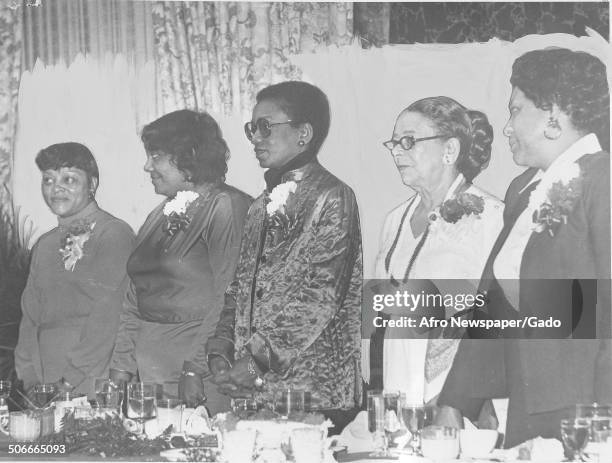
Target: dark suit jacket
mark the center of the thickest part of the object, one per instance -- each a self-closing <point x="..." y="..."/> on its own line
<point x="565" y="276"/>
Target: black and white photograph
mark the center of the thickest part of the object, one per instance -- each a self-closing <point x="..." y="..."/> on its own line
<point x="305" y="232"/>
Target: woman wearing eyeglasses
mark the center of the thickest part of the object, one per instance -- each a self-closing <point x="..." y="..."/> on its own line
<point x="443" y="232"/>
<point x="292" y="316"/>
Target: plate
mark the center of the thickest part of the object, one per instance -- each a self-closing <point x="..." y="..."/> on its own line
<point x="189" y="454"/>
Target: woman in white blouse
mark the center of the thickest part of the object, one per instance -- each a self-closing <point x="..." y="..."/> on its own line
<point x="443" y="232"/>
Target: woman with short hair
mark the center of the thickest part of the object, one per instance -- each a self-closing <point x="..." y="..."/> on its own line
<point x="292" y="315"/>
<point x="77" y="279"/>
<point x="552" y="258"/>
<point x="185" y="256"/>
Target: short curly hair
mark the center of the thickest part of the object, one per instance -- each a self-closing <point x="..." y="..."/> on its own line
<point x="69" y="154"/>
<point x="470" y="127"/>
<point x="575" y="81"/>
<point x="193" y="140"/>
<point x="302" y="102"/>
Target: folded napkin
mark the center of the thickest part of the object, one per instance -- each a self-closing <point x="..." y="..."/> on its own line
<point x="356" y="436"/>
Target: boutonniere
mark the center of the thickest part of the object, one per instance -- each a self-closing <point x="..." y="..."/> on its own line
<point x="73" y="242"/>
<point x="175" y="211"/>
<point x="464" y="204"/>
<point x="553" y="199"/>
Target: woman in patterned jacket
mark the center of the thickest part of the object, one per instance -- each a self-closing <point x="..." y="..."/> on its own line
<point x="292" y="316"/>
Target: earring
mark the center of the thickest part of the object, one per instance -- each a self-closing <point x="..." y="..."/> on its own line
<point x="301" y="143"/>
<point x="552" y="131"/>
<point x="447" y="160"/>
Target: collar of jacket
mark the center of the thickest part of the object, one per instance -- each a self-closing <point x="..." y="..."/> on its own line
<point x="275" y="177"/>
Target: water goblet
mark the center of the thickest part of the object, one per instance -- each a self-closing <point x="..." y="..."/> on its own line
<point x="141" y="403"/>
<point x="44" y="394"/>
<point x="575" y="435"/>
<point x="415" y="417"/>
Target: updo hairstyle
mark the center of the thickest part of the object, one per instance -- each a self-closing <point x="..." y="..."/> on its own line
<point x="470" y="127"/>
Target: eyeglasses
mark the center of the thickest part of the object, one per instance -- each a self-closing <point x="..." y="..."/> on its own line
<point x="407" y="142"/>
<point x="263" y="125"/>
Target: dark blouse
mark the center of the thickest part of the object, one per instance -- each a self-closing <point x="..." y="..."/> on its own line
<point x="183" y="277"/>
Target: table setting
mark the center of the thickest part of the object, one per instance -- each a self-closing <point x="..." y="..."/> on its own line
<point x="138" y="423"/>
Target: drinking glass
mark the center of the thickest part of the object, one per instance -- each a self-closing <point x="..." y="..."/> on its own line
<point x="108" y="394"/>
<point x="141" y="402"/>
<point x="170" y="413"/>
<point x="289" y="401"/>
<point x="392" y="413"/>
<point x="600" y="416"/>
<point x="376" y="423"/>
<point x="5" y="388"/>
<point x="44" y="394"/>
<point x="415" y="417"/>
<point x="575" y="435"/>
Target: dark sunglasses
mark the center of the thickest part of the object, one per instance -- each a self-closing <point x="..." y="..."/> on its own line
<point x="407" y="142"/>
<point x="263" y="125"/>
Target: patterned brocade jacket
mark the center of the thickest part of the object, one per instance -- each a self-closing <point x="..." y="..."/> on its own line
<point x="295" y="304"/>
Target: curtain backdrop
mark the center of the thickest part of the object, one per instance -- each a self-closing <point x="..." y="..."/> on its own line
<point x="10" y="71"/>
<point x="215" y="56"/>
<point x="58" y="30"/>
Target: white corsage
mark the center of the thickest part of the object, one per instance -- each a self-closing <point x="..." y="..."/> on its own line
<point x="72" y="244"/>
<point x="279" y="196"/>
<point x="553" y="199"/>
<point x="180" y="202"/>
<point x="175" y="211"/>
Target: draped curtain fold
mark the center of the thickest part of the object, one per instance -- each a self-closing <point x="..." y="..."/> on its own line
<point x="10" y="72"/>
<point x="57" y="30"/>
<point x="215" y="56"/>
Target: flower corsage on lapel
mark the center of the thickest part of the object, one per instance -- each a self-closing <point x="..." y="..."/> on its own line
<point x="554" y="198"/>
<point x="73" y="243"/>
<point x="175" y="211"/>
<point x="463" y="205"/>
<point x="279" y="221"/>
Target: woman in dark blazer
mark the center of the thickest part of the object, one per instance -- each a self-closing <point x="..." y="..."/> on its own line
<point x="552" y="258"/>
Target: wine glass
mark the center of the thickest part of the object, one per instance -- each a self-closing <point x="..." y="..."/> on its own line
<point x="575" y="435"/>
<point x="376" y="423"/>
<point x="414" y="418"/>
<point x="141" y="402"/>
<point x="600" y="417"/>
<point x="5" y="388"/>
<point x="44" y="394"/>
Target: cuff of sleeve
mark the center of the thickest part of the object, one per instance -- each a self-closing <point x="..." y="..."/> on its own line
<point x="188" y="365"/>
<point x="261" y="352"/>
<point x="222" y="347"/>
<point x="73" y="375"/>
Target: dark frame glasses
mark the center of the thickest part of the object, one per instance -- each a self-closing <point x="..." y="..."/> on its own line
<point x="263" y="125"/>
<point x="407" y="142"/>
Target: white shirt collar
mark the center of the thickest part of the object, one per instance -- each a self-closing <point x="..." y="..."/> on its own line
<point x="585" y="145"/>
